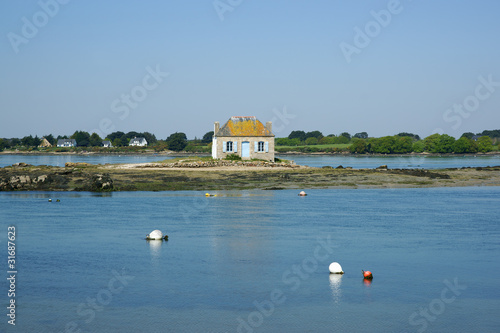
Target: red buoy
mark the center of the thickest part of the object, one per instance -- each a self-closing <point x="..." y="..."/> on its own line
<point x="367" y="274"/>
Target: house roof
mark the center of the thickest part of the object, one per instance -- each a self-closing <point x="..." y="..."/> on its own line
<point x="138" y="140"/>
<point x="61" y="141"/>
<point x="243" y="126"/>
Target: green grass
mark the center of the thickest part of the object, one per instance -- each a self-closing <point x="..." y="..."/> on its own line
<point x="335" y="145"/>
<point x="187" y="159"/>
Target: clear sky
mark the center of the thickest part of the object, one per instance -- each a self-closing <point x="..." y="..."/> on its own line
<point x="163" y="66"/>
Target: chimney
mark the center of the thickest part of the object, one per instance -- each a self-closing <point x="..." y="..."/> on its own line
<point x="269" y="126"/>
<point x="216" y="127"/>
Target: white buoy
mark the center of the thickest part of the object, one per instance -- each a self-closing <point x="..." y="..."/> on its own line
<point x="335" y="268"/>
<point x="155" y="234"/>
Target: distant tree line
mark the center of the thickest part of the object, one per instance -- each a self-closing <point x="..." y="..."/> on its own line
<point x="435" y="143"/>
<point x="359" y="143"/>
<point x="401" y="143"/>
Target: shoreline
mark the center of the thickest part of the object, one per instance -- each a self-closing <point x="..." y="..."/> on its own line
<point x="291" y="153"/>
<point x="212" y="176"/>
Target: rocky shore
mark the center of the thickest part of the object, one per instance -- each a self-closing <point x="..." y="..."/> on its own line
<point x="229" y="175"/>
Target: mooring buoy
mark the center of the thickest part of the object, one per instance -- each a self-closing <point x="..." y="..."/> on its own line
<point x="335" y="268"/>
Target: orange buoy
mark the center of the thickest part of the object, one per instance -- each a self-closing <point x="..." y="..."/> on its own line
<point x="367" y="274"/>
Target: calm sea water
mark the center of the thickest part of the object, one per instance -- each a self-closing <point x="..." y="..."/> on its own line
<point x="404" y="162"/>
<point x="255" y="261"/>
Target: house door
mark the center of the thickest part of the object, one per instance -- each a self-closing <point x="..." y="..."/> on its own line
<point x="245" y="149"/>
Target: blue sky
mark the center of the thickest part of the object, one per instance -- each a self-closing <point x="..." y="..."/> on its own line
<point x="382" y="67"/>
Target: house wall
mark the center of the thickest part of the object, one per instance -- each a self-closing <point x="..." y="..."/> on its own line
<point x="217" y="149"/>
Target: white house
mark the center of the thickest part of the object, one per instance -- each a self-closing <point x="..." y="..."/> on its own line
<point x="246" y="137"/>
<point x="107" y="144"/>
<point x="141" y="142"/>
<point x="66" y="143"/>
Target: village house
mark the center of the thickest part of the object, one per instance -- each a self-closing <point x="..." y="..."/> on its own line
<point x="246" y="137"/>
<point x="66" y="143"/>
<point x="45" y="143"/>
<point x="107" y="144"/>
<point x="141" y="142"/>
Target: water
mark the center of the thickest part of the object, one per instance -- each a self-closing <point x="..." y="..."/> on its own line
<point x="358" y="162"/>
<point x="60" y="160"/>
<point x="396" y="162"/>
<point x="256" y="261"/>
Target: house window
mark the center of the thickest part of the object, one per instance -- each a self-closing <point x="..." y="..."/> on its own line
<point x="260" y="147"/>
<point x="229" y="146"/>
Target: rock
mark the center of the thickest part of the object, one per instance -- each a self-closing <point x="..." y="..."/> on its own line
<point x="21" y="164"/>
<point x="101" y="182"/>
<point x="339" y="167"/>
<point x="76" y="164"/>
<point x="382" y="167"/>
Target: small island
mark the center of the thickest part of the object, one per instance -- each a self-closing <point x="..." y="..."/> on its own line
<point x="207" y="174"/>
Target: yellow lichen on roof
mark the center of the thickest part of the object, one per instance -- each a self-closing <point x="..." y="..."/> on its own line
<point x="246" y="128"/>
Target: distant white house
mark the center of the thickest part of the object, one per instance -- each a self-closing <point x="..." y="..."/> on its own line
<point x="66" y="143"/>
<point x="141" y="142"/>
<point x="107" y="144"/>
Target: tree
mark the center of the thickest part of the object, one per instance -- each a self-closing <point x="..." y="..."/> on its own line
<point x="327" y="140"/>
<point x="445" y="144"/>
<point x="419" y="146"/>
<point x="207" y="138"/>
<point x="362" y="135"/>
<point x="484" y="144"/>
<point x="491" y="134"/>
<point x="314" y="134"/>
<point x="150" y="138"/>
<point x="95" y="140"/>
<point x="311" y="141"/>
<point x="160" y="145"/>
<point x="27" y="141"/>
<point x="467" y="135"/>
<point x="82" y="138"/>
<point x="177" y="141"/>
<point x="411" y="135"/>
<point x="50" y="138"/>
<point x="464" y="145"/>
<point x="346" y="135"/>
<point x="14" y="142"/>
<point x="2" y="144"/>
<point x="36" y="141"/>
<point x="430" y="143"/>
<point x="301" y="135"/>
<point x="117" y="142"/>
<point x="402" y="145"/>
<point x="115" y="135"/>
<point x="341" y="140"/>
<point x="358" y="146"/>
<point x="383" y="145"/>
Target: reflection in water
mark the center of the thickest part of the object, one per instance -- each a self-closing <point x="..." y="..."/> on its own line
<point x="367" y="282"/>
<point x="155" y="249"/>
<point x="335" y="282"/>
